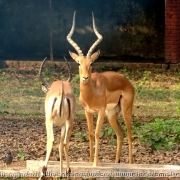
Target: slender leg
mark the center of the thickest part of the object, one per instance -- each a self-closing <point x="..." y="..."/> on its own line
<point x="68" y="170"/>
<point x="127" y="113"/>
<point x="89" y="118"/>
<point x="113" y="120"/>
<point x="61" y="145"/>
<point x="69" y="124"/>
<point x="99" y="124"/>
<point x="50" y="140"/>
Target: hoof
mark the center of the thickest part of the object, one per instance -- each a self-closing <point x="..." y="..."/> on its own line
<point x="119" y="161"/>
<point x="44" y="169"/>
<point x="68" y="173"/>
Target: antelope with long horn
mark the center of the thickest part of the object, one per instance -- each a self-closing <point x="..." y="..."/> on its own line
<point x="60" y="104"/>
<point x="104" y="93"/>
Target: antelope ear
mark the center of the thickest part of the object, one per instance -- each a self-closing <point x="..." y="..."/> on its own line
<point x="95" y="55"/>
<point x="73" y="55"/>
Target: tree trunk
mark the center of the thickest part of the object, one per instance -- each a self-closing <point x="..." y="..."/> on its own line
<point x="50" y="23"/>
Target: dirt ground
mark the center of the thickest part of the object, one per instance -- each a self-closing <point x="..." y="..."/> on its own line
<point x="29" y="135"/>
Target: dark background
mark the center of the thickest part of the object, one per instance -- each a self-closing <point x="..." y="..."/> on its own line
<point x="131" y="29"/>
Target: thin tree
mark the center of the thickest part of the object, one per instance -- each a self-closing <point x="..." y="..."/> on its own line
<point x="50" y="23"/>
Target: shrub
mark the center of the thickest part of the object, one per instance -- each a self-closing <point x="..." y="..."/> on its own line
<point x="159" y="134"/>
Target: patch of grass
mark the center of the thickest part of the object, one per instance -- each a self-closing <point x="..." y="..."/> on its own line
<point x="159" y="134"/>
<point x="81" y="136"/>
<point x="21" y="95"/>
<point x="153" y="93"/>
<point x="76" y="91"/>
<point x="109" y="134"/>
<point x="1" y="71"/>
<point x="124" y="71"/>
<point x="21" y="154"/>
<point x="107" y="131"/>
<point x="102" y="67"/>
<point x="32" y="92"/>
<point x="146" y="77"/>
<point x="76" y="78"/>
<point x="156" y="94"/>
<point x="3" y="105"/>
<point x="47" y="74"/>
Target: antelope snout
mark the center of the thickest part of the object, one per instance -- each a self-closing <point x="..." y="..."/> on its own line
<point x="85" y="79"/>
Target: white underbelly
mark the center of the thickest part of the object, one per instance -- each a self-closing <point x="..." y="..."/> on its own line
<point x="91" y="110"/>
<point x="58" y="121"/>
<point x="108" y="107"/>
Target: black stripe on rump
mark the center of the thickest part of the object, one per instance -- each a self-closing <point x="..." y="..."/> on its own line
<point x="60" y="107"/>
<point x="55" y="99"/>
<point x="69" y="107"/>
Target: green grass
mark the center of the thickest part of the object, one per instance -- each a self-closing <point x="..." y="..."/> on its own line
<point x="156" y="94"/>
<point x="159" y="134"/>
<point x="21" y="95"/>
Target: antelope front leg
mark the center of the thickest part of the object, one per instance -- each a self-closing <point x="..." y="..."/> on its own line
<point x="99" y="124"/>
<point x="89" y="118"/>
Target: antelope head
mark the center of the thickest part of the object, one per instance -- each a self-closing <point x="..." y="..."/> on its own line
<point x="84" y="62"/>
<point x="45" y="85"/>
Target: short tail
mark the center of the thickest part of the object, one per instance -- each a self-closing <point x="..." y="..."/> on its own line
<point x="61" y="105"/>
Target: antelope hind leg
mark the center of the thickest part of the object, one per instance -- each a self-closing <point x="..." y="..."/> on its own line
<point x="61" y="146"/>
<point x="127" y="114"/>
<point x="66" y="143"/>
<point x="113" y="120"/>
<point x="49" y="145"/>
